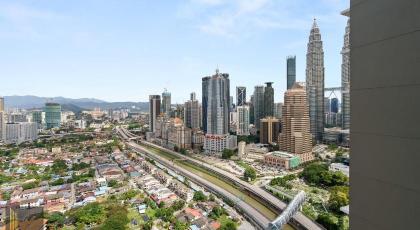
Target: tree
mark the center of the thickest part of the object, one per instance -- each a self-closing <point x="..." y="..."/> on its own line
<point x="178" y="205"/>
<point x="183" y="151"/>
<point x="217" y="212"/>
<point x="312" y="173"/>
<point x="339" y="197"/>
<point x="329" y="221"/>
<point x="59" y="181"/>
<point x="116" y="218"/>
<point x="129" y="194"/>
<point x="91" y="213"/>
<point x="227" y="153"/>
<point x="55" y="219"/>
<point x="113" y="183"/>
<point x="180" y="225"/>
<point x="250" y="174"/>
<point x="59" y="167"/>
<point x="5" y="179"/>
<point x="199" y="196"/>
<point x="161" y="204"/>
<point x="148" y="225"/>
<point x="80" y="166"/>
<point x="176" y="148"/>
<point x="228" y="225"/>
<point x="29" y="185"/>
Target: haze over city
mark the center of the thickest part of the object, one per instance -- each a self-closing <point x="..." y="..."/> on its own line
<point x="112" y="51"/>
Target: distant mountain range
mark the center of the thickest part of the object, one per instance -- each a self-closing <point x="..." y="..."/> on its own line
<point x="34" y="102"/>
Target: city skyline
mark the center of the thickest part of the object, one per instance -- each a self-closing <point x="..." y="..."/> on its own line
<point x="99" y="63"/>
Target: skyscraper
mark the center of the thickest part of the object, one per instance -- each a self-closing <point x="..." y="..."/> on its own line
<point x="345" y="75"/>
<point x="216" y="99"/>
<point x="242" y="125"/>
<point x="278" y="110"/>
<point x="295" y="136"/>
<point x="216" y="89"/>
<point x="2" y="125"/>
<point x="37" y="118"/>
<point x="251" y="110"/>
<point x="291" y="71"/>
<point x="327" y="105"/>
<point x="258" y="102"/>
<point x="268" y="100"/>
<point x="52" y="115"/>
<point x="334" y="105"/>
<point x="269" y="131"/>
<point x="315" y="82"/>
<point x="154" y="111"/>
<point x="240" y="96"/>
<point x="1" y="104"/>
<point x="166" y="103"/>
<point x="192" y="113"/>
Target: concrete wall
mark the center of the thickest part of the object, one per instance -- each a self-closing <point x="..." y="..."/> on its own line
<point x="385" y="114"/>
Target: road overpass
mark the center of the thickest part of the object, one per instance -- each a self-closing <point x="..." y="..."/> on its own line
<point x="299" y="221"/>
<point x="252" y="214"/>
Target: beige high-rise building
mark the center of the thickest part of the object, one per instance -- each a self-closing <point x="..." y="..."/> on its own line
<point x="269" y="130"/>
<point x="295" y="137"/>
<point x="1" y="104"/>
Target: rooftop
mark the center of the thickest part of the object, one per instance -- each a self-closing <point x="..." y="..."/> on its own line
<point x="281" y="154"/>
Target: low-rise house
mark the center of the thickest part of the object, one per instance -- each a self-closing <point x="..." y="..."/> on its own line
<point x="181" y="190"/>
<point x="30" y="203"/>
<point x="30" y="193"/>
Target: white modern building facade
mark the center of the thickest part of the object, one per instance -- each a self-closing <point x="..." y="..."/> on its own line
<point x="242" y="124"/>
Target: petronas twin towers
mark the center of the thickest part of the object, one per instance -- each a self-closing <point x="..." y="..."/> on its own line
<point x="315" y="82"/>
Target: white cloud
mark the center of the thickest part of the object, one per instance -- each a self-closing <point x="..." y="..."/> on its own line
<point x="233" y="18"/>
<point x="17" y="13"/>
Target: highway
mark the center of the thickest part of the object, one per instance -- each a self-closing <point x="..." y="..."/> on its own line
<point x="256" y="217"/>
<point x="299" y="221"/>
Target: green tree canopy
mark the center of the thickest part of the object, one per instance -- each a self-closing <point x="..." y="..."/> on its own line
<point x="250" y="174"/>
<point x="199" y="196"/>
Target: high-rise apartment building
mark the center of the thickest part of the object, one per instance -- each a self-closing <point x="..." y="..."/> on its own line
<point x="268" y="100"/>
<point x="291" y="71"/>
<point x="20" y="132"/>
<point x="52" y="115"/>
<point x="345" y="75"/>
<point x="154" y="111"/>
<point x="216" y="100"/>
<point x="315" y="82"/>
<point x="295" y="136"/>
<point x="37" y="118"/>
<point x="242" y="123"/>
<point x="269" y="131"/>
<point x="216" y="89"/>
<point x="166" y="103"/>
<point x="240" y="96"/>
<point x="192" y="113"/>
<point x="258" y="102"/>
<point x="278" y="110"/>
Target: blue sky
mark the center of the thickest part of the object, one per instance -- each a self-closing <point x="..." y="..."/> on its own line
<point x="124" y="50"/>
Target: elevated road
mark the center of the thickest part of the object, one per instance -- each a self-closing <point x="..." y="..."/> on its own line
<point x="299" y="221"/>
<point x="256" y="217"/>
